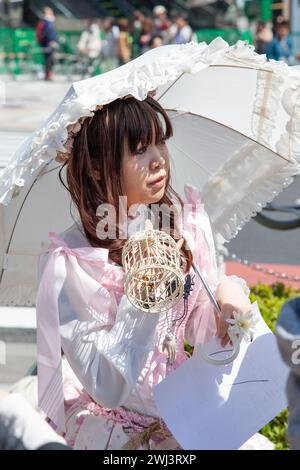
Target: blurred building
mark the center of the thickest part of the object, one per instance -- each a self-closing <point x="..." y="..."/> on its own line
<point x="202" y="13"/>
<point x="11" y="13"/>
<point x="270" y="9"/>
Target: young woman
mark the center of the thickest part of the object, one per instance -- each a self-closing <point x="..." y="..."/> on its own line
<point x="117" y="353"/>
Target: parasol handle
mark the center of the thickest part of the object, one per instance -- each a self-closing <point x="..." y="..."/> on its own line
<point x="236" y="340"/>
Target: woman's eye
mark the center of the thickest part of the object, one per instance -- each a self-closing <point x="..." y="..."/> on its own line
<point x="141" y="150"/>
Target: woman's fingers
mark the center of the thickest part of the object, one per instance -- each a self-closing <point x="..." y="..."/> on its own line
<point x="223" y="324"/>
<point x="225" y="340"/>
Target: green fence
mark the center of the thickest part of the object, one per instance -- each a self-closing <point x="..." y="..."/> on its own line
<point x="20" y="52"/>
<point x="229" y="35"/>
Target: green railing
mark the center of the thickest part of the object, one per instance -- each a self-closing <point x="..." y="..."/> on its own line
<point x="229" y="35"/>
<point x="20" y="52"/>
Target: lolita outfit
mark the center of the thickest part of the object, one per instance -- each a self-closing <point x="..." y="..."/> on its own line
<point x="114" y="353"/>
<point x="101" y="396"/>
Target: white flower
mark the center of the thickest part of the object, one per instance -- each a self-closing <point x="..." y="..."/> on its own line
<point x="244" y="324"/>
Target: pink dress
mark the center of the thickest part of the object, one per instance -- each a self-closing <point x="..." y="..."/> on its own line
<point x="102" y="397"/>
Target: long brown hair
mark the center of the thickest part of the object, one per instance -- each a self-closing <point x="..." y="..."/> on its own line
<point x="94" y="167"/>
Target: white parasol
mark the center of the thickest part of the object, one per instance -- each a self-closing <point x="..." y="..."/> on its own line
<point x="236" y="137"/>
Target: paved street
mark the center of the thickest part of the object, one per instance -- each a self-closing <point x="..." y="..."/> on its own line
<point x="17" y="343"/>
<point x="28" y="104"/>
<point x="10" y="141"/>
<point x="20" y="358"/>
<point x="257" y="243"/>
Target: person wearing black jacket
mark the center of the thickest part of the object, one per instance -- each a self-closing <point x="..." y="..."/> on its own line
<point x="46" y="37"/>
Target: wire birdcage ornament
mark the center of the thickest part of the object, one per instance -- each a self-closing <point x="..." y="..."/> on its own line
<point x="155" y="283"/>
<point x="154" y="280"/>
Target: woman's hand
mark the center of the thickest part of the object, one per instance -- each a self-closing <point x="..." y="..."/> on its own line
<point x="231" y="297"/>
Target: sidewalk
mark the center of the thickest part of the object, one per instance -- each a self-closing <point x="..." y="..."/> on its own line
<point x="18" y="336"/>
<point x="253" y="276"/>
<point x="29" y="103"/>
<point x="10" y="141"/>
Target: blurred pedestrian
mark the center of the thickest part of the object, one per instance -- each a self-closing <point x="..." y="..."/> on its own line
<point x="181" y="32"/>
<point x="89" y="46"/>
<point x="264" y="36"/>
<point x="47" y="39"/>
<point x="124" y="42"/>
<point x="109" y="54"/>
<point x="138" y="19"/>
<point x="156" y="41"/>
<point x="281" y="47"/>
<point x="145" y="35"/>
<point x="161" y="22"/>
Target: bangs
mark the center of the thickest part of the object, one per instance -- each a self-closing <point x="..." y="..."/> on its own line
<point x="144" y="122"/>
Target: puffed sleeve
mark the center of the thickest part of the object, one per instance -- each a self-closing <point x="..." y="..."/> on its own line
<point x="107" y="360"/>
<point x="106" y="344"/>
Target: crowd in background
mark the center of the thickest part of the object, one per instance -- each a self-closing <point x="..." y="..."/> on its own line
<point x="110" y="42"/>
<point x="124" y="39"/>
<point x="275" y="40"/>
<point x="114" y="42"/>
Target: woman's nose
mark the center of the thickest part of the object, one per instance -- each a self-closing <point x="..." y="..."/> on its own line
<point x="157" y="158"/>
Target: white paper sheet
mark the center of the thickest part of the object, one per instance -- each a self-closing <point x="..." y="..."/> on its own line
<point x="220" y="407"/>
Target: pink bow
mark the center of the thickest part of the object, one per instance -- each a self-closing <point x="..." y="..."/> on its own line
<point x="50" y="381"/>
<point x="193" y="196"/>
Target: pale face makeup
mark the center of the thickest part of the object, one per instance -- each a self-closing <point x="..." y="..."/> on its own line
<point x="144" y="174"/>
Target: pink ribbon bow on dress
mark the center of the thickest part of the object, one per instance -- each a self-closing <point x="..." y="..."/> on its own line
<point x="50" y="380"/>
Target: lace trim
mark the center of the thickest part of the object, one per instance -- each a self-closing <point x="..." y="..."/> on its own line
<point x="239" y="281"/>
<point x="261" y="186"/>
<point x="291" y="139"/>
<point x="269" y="87"/>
